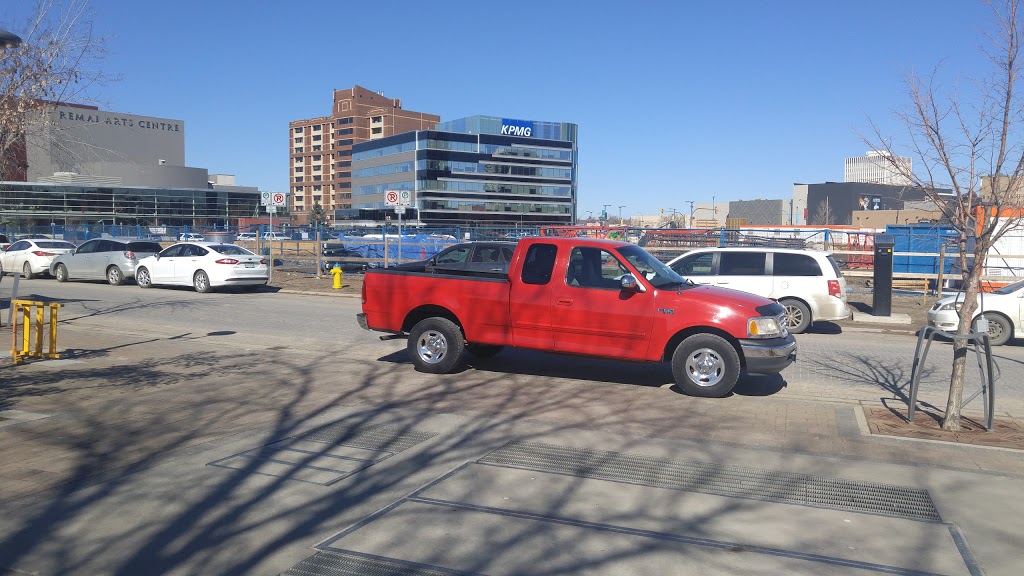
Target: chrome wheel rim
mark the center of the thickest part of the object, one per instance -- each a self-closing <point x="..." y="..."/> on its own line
<point x="705" y="367"/>
<point x="114" y="276"/>
<point x="794" y="317"/>
<point x="142" y="277"/>
<point x="200" y="281"/>
<point x="60" y="273"/>
<point x="432" y="347"/>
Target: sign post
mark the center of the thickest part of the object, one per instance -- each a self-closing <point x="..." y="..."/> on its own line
<point x="271" y="200"/>
<point x="399" y="199"/>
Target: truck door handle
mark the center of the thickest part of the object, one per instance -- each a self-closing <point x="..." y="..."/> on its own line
<point x="564" y="301"/>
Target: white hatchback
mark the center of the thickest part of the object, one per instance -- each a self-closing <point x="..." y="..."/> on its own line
<point x="806" y="282"/>
<point x="1003" y="308"/>
<point x="202" y="265"/>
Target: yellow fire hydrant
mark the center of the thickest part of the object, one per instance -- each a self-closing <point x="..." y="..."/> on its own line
<point x="336" y="272"/>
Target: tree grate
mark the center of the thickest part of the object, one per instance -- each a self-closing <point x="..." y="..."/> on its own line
<point x="383" y="438"/>
<point x="722" y="480"/>
<point x="342" y="564"/>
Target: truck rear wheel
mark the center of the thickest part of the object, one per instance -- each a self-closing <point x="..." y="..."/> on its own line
<point x="436" y="345"/>
<point x="706" y="365"/>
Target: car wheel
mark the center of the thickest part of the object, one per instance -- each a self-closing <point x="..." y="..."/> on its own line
<point x="706" y="365"/>
<point x="26" y="271"/>
<point x="999" y="329"/>
<point x="484" y="350"/>
<point x="797" y="316"/>
<point x="114" y="276"/>
<point x="60" y="273"/>
<point x="436" y="345"/>
<point x="201" y="282"/>
<point x="143" y="279"/>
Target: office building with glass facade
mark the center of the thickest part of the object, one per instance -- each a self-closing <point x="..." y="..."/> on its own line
<point x="475" y="171"/>
<point x="27" y="205"/>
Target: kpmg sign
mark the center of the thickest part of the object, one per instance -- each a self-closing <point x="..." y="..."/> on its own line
<point x="516" y="127"/>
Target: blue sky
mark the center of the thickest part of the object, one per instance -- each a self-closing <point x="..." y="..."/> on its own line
<point x="675" y="101"/>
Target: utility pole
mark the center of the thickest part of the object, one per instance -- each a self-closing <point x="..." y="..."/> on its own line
<point x="620" y="213"/>
<point x="690" y="225"/>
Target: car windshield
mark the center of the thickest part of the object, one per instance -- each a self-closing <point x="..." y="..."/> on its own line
<point x="230" y="250"/>
<point x="55" y="244"/>
<point x="1010" y="289"/>
<point x="654" y="270"/>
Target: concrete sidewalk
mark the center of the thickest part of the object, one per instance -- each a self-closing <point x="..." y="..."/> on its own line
<point x="162" y="454"/>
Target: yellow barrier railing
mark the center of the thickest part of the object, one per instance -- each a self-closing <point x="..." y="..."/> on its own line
<point x="27" y="307"/>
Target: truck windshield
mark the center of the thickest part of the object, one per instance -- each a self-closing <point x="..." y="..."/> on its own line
<point x="656" y="272"/>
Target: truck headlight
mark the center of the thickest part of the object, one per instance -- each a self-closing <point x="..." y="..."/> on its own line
<point x="765" y="327"/>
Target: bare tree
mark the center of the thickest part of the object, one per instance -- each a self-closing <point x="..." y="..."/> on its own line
<point x="55" y="63"/>
<point x="965" y="139"/>
<point x="823" y="213"/>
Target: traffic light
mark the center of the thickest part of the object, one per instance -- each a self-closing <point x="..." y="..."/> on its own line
<point x="662" y="210"/>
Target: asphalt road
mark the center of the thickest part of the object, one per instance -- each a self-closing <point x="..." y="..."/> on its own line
<point x="228" y="433"/>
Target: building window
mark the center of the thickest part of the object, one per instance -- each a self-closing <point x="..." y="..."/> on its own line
<point x="298" y="178"/>
<point x="376" y="119"/>
<point x="317" y="197"/>
<point x="317" y="148"/>
<point x="298" y="130"/>
<point x="377" y="130"/>
<point x="317" y="188"/>
<point x="345" y="185"/>
<point x="298" y="149"/>
<point x="343" y="132"/>
<point x="316" y="158"/>
<point x="343" y="153"/>
<point x="345" y="142"/>
<point x="317" y="178"/>
<point x="298" y="140"/>
<point x="344" y="174"/>
<point x="316" y="168"/>
<point x="298" y="169"/>
<point x="344" y="163"/>
<point x="316" y="128"/>
<point x="344" y="121"/>
<point x="316" y="138"/>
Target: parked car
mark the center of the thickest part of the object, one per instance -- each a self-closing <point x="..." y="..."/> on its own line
<point x="5" y="242"/>
<point x="202" y="265"/>
<point x="190" y="237"/>
<point x="335" y="254"/>
<point x="806" y="282"/>
<point x="112" y="259"/>
<point x="583" y="296"/>
<point x="478" y="258"/>
<point x="246" y="236"/>
<point x="32" y="256"/>
<point x="1003" y="308"/>
<point x="275" y="236"/>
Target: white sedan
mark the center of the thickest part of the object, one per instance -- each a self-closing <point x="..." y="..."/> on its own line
<point x="202" y="265"/>
<point x="1002" y="308"/>
<point x="32" y="256"/>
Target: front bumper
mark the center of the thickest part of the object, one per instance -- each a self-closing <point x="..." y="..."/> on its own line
<point x="770" y="355"/>
<point x="945" y="320"/>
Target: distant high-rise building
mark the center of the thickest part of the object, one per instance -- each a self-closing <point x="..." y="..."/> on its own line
<point x="320" y="149"/>
<point x="877" y="168"/>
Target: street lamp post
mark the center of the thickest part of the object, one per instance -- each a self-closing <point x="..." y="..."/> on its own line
<point x="9" y="39"/>
<point x="620" y="214"/>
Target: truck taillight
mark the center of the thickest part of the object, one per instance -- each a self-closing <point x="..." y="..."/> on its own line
<point x="364" y="293"/>
<point x="834" y="289"/>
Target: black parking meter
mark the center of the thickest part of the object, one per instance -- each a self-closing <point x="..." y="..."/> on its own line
<point x="881" y="303"/>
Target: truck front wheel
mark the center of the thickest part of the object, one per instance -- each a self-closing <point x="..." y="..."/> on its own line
<point x="706" y="365"/>
<point x="436" y="345"/>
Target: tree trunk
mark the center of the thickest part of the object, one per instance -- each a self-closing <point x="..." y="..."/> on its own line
<point x="960" y="347"/>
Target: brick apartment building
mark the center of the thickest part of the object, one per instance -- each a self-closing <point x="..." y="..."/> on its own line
<point x="320" y="149"/>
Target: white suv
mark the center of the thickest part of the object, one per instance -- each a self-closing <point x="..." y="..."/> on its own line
<point x="807" y="282"/>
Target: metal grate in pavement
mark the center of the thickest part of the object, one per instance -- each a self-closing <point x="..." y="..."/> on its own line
<point x="343" y="564"/>
<point x="723" y="480"/>
<point x="385" y="438"/>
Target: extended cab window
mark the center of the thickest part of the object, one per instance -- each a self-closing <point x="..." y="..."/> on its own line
<point x="538" y="264"/>
<point x="694" y="265"/>
<point x="594" y="268"/>
<point x="795" y="265"/>
<point x="741" y="264"/>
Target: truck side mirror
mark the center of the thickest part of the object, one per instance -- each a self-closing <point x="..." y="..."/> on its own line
<point x="629" y="284"/>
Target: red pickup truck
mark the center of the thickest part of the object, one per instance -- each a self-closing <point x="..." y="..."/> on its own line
<point x="588" y="297"/>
